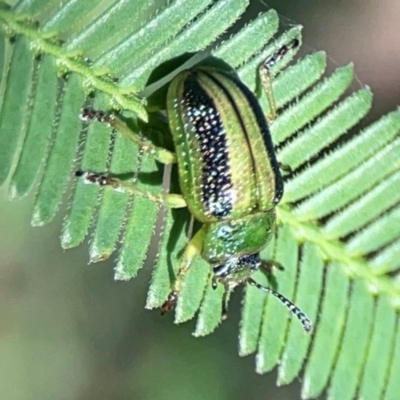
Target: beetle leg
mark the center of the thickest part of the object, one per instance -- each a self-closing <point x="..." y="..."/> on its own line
<point x="159" y="153"/>
<point x="285" y="168"/>
<point x="192" y="250"/>
<point x="214" y="282"/>
<point x="264" y="71"/>
<point x="225" y="302"/>
<point x="171" y="200"/>
<point x="269" y="264"/>
<point x="266" y="83"/>
<point x="267" y="267"/>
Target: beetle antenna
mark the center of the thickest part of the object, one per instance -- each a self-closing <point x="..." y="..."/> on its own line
<point x="292" y="307"/>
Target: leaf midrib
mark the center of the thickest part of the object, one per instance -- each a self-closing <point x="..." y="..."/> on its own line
<point x="72" y="63"/>
<point x="334" y="250"/>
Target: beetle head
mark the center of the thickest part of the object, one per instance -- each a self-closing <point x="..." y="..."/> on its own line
<point x="232" y="272"/>
<point x="236" y="270"/>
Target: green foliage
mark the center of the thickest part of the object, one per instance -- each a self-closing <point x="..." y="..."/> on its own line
<point x="339" y="236"/>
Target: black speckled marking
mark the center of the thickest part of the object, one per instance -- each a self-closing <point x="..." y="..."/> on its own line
<point x="201" y="114"/>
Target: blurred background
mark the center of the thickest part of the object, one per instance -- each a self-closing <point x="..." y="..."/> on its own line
<point x="69" y="332"/>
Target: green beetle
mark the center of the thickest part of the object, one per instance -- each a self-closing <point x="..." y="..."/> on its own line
<point x="228" y="172"/>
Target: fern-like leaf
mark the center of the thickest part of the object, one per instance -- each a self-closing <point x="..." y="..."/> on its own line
<point x="339" y="236"/>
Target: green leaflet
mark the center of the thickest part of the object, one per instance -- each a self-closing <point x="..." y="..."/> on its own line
<point x="345" y="159"/>
<point x="339" y="235"/>
<point x="171" y="244"/>
<point x="17" y="91"/>
<point x="85" y="197"/>
<point x="328" y="333"/>
<point x="310" y="281"/>
<point x="4" y="46"/>
<point x="392" y="369"/>
<point x="253" y="304"/>
<point x="39" y="130"/>
<point x="96" y="37"/>
<point x="70" y="16"/>
<point x="377" y="366"/>
<point x="354" y="344"/>
<point x="203" y="30"/>
<point x="275" y="317"/>
<point x="35" y="8"/>
<point x="113" y="205"/>
<point x="140" y="225"/>
<point x="58" y="166"/>
<point x="210" y="311"/>
<point x="236" y="51"/>
<point x="132" y="52"/>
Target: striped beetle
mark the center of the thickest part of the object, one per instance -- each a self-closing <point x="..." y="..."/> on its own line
<point x="228" y="172"/>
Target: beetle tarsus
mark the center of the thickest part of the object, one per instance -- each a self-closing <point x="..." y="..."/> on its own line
<point x="214" y="283"/>
<point x="282" y="51"/>
<point x="268" y="266"/>
<point x="285" y="168"/>
<point x="88" y="114"/>
<point x="169" y="304"/>
<point x="92" y="177"/>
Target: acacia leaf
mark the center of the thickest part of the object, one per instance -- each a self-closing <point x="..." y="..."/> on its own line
<point x="338" y="236"/>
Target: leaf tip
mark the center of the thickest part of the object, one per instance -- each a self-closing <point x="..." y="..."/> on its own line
<point x="66" y="238"/>
<point x="121" y="275"/>
<point x="38" y="219"/>
<point x="97" y="255"/>
<point x="13" y="192"/>
<point x="152" y="300"/>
